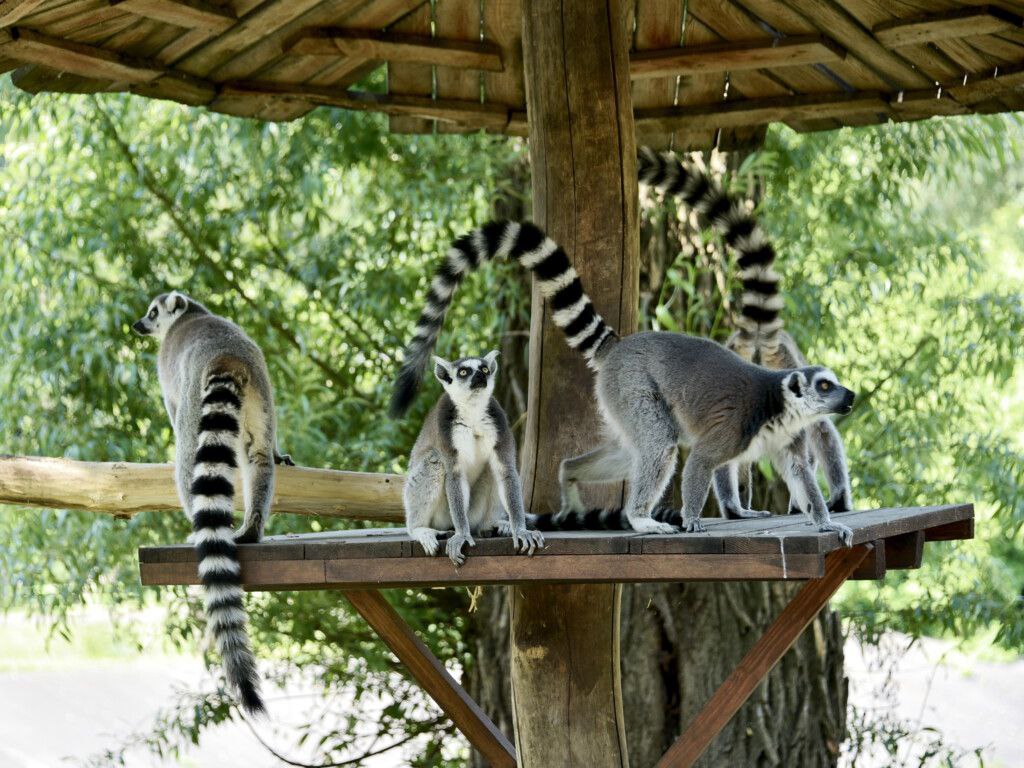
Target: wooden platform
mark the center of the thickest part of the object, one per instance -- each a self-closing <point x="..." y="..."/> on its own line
<point x="777" y="548"/>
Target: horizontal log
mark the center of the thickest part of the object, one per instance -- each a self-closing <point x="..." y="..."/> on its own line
<point x="125" y="489"/>
<point x="962" y="22"/>
<point x="190" y="14"/>
<point x="392" y="46"/>
<point x="742" y="112"/>
<point x="784" y="52"/>
<point x="30" y="47"/>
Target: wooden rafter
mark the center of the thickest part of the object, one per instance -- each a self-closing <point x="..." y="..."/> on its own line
<point x="190" y="14"/>
<point x="391" y="46"/>
<point x="30" y="47"/>
<point x="974" y="20"/>
<point x="433" y="677"/>
<point x="759" y="660"/>
<point x="12" y="11"/>
<point x="725" y="57"/>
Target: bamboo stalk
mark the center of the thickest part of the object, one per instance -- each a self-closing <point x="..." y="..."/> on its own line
<point x="124" y="489"/>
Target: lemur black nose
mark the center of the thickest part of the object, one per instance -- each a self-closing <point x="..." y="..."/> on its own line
<point x="139" y="328"/>
<point x="848" y="399"/>
<point x="479" y="381"/>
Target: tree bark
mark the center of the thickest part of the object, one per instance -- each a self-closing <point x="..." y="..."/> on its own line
<point x="564" y="662"/>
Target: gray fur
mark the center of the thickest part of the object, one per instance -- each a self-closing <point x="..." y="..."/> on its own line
<point x="463" y="465"/>
<point x="217" y="393"/>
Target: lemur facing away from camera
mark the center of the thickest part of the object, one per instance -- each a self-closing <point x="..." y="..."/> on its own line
<point x="655" y="391"/>
<point x="464" y="463"/>
<point x="217" y="393"/>
<point x="759" y="337"/>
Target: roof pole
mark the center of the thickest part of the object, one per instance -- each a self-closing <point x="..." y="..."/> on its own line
<point x="565" y="638"/>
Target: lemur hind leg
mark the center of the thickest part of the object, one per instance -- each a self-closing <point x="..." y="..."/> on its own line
<point x="727" y="492"/>
<point x="608" y="463"/>
<point x="258" y="483"/>
<point x="424" y="499"/>
<point x="803" y="488"/>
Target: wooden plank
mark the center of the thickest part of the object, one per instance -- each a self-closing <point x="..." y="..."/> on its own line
<point x="957" y="530"/>
<point x="960" y="22"/>
<point x="257" y="575"/>
<point x="36" y="79"/>
<point x="725" y="57"/>
<point x="502" y="26"/>
<point x="190" y="14"/>
<point x="761" y="658"/>
<point x="30" y="47"/>
<point x="704" y="88"/>
<point x="658" y="24"/>
<point x="457" y="19"/>
<point x="760" y="111"/>
<point x="121" y="488"/>
<point x="874" y="564"/>
<point x="433" y="677"/>
<point x="408" y="79"/>
<point x="394" y="46"/>
<point x="905" y="551"/>
<point x="12" y="11"/>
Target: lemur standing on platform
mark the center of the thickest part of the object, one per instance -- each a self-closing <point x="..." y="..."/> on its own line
<point x="759" y="337"/>
<point x="654" y="390"/>
<point x="463" y="462"/>
<point x="217" y="393"/>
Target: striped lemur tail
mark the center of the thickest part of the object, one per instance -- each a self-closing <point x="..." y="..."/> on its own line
<point x="211" y="497"/>
<point x="600" y="520"/>
<point x="759" y="322"/>
<point x="572" y="311"/>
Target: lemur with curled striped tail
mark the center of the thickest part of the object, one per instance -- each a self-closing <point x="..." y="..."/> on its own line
<point x="217" y="392"/>
<point x="655" y="391"/>
<point x="759" y="337"/>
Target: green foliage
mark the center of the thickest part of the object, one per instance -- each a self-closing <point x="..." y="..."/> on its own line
<point x="317" y="237"/>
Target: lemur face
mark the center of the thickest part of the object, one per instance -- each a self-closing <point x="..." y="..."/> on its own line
<point x="469" y="378"/>
<point x="163" y="311"/>
<point x="816" y="392"/>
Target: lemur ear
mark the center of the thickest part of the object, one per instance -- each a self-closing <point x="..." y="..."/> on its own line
<point x="794" y="383"/>
<point x="179" y="303"/>
<point x="442" y="370"/>
<point x="491" y="358"/>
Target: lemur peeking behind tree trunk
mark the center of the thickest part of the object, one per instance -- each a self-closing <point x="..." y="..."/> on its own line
<point x="217" y="393"/>
<point x="464" y="463"/>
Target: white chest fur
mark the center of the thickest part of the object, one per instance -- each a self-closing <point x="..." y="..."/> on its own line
<point x="474" y="445"/>
<point x="773" y="437"/>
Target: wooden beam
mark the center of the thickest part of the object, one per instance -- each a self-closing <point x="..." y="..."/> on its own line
<point x="493" y="117"/>
<point x="124" y="489"/>
<point x="760" y="659"/>
<point x="961" y="22"/>
<point x="433" y="677"/>
<point x="394" y="46"/>
<point x="873" y="566"/>
<point x="31" y="47"/>
<point x="190" y="14"/>
<point x="905" y="551"/>
<point x="759" y="54"/>
<point x="13" y="11"/>
<point x="957" y="530"/>
<point x="742" y="112"/>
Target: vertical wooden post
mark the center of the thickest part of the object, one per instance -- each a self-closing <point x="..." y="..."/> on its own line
<point x="565" y="638"/>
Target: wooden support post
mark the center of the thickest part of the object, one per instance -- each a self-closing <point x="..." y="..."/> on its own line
<point x="433" y="677"/>
<point x="564" y="655"/>
<point x="760" y="659"/>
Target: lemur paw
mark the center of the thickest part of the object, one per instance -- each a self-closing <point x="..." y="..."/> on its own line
<point x="283" y="458"/>
<point x="647" y="525"/>
<point x="526" y="541"/>
<point x="454" y="548"/>
<point x="248" y="536"/>
<point x="738" y="513"/>
<point x="845" y="534"/>
<point x="427" y="540"/>
<point x="504" y="528"/>
<point x="694" y="526"/>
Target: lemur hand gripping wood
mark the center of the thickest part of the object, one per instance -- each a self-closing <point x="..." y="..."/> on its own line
<point x="217" y="392"/>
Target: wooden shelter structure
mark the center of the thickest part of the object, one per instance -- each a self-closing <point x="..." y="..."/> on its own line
<point x="586" y="80"/>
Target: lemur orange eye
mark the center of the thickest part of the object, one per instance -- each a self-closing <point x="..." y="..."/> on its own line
<point x="463" y="373"/>
<point x="485" y="369"/>
<point x="825" y="386"/>
<point x="152" y="314"/>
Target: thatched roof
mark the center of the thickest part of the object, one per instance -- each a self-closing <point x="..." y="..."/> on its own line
<point x="704" y="71"/>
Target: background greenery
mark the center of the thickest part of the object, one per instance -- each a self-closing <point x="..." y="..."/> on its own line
<point x="901" y="254"/>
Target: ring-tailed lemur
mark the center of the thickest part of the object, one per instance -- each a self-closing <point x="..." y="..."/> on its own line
<point x="217" y="393"/>
<point x="464" y="463"/>
<point x="654" y="390"/>
<point x="759" y="337"/>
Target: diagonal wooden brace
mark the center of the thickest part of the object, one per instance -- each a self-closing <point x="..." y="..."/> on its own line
<point x="433" y="677"/>
<point x="760" y="659"/>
